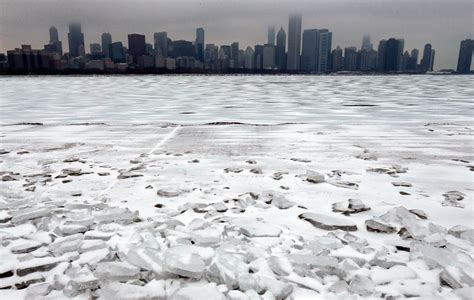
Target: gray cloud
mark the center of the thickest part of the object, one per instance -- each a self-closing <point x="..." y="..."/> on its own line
<point x="442" y="23"/>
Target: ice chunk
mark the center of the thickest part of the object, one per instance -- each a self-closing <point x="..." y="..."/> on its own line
<point x="314" y="177"/>
<point x="120" y="271"/>
<point x="328" y="222"/>
<point x="37" y="265"/>
<point x="253" y="228"/>
<point x="29" y="214"/>
<point x="313" y="260"/>
<point x="384" y="276"/>
<point x="378" y="225"/>
<point x="82" y="279"/>
<point x="207" y="236"/>
<point x="123" y="291"/>
<point x="116" y="215"/>
<point x="280" y="265"/>
<point x="66" y="244"/>
<point x="362" y="286"/>
<point x="182" y="261"/>
<point x="226" y="268"/>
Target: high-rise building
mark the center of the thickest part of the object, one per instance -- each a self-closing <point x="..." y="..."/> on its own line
<point x="271" y="35"/>
<point x="280" y="54"/>
<point x="393" y="55"/>
<point x="381" y="55"/>
<point x="55" y="45"/>
<point x="211" y="56"/>
<point x="324" y="50"/>
<point x="366" y="44"/>
<point x="268" y="56"/>
<point x="428" y="59"/>
<point x="351" y="59"/>
<point x="294" y="42"/>
<point x="200" y="44"/>
<point x="116" y="52"/>
<point x="258" y="57"/>
<point x="53" y="34"/>
<point x="234" y="55"/>
<point x="106" y="40"/>
<point x="182" y="48"/>
<point x="249" y="58"/>
<point x="75" y="39"/>
<point x="465" y="56"/>
<point x="310" y="50"/>
<point x="368" y="60"/>
<point x="161" y="43"/>
<point x="136" y="46"/>
<point x="337" y="60"/>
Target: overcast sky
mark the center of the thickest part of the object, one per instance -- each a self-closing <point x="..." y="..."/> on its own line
<point x="443" y="23"/>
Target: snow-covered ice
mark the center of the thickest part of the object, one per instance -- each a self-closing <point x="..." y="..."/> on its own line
<point x="236" y="187"/>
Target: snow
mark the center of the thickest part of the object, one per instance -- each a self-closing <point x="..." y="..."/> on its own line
<point x="167" y="204"/>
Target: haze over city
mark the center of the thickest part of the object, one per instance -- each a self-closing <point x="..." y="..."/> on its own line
<point x="443" y="24"/>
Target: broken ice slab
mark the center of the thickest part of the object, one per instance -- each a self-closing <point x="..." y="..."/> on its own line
<point x="254" y="228"/>
<point x="314" y="177"/>
<point x="116" y="270"/>
<point x="351" y="206"/>
<point x="66" y="244"/>
<point x="29" y="214"/>
<point x="198" y="292"/>
<point x="378" y="225"/>
<point x="82" y="278"/>
<point x="207" y="236"/>
<point x="226" y="268"/>
<point x="312" y="261"/>
<point x="117" y="215"/>
<point x="327" y="222"/>
<point x="123" y="291"/>
<point x="37" y="265"/>
<point x="182" y="261"/>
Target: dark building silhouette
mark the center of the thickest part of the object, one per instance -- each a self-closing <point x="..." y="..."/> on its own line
<point x="280" y="54"/>
<point x="106" y="40"/>
<point x="271" y="35"/>
<point x="381" y="51"/>
<point x="234" y="54"/>
<point x="200" y="44"/>
<point x="136" y="46"/>
<point x="393" y="55"/>
<point x="182" y="48"/>
<point x="76" y="40"/>
<point x="465" y="56"/>
<point x="324" y="50"/>
<point x="428" y="59"/>
<point x="55" y="45"/>
<point x="161" y="43"/>
<point x="309" y="53"/>
<point x="337" y="60"/>
<point x="258" y="58"/>
<point x="116" y="52"/>
<point x="351" y="59"/>
<point x="294" y="43"/>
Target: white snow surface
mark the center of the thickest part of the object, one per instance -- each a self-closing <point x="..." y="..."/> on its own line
<point x="82" y="160"/>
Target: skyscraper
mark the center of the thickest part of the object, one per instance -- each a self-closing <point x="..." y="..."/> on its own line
<point x="55" y="45"/>
<point x="75" y="39"/>
<point x="95" y="49"/>
<point x="366" y="44"/>
<point x="294" y="42"/>
<point x="106" y="42"/>
<point x="271" y="35"/>
<point x="234" y="55"/>
<point x="161" y="43"/>
<point x="53" y="34"/>
<point x="116" y="52"/>
<point x="200" y="44"/>
<point x="281" y="50"/>
<point x="428" y="59"/>
<point x="337" y="59"/>
<point x="310" y="49"/>
<point x="268" y="56"/>
<point x="258" y="57"/>
<point x="351" y="59"/>
<point x="393" y="54"/>
<point x="324" y="50"/>
<point x="136" y="46"/>
<point x="465" y="56"/>
<point x="382" y="49"/>
<point x="249" y="58"/>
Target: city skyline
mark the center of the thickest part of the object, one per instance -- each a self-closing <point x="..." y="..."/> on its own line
<point x="231" y="23"/>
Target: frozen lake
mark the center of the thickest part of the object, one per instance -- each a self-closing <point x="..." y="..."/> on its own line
<point x="253" y="99"/>
<point x="121" y="187"/>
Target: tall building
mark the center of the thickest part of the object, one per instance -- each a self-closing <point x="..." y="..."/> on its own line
<point x="366" y="44"/>
<point x="53" y="34"/>
<point x="258" y="57"/>
<point x="75" y="39"/>
<point x="182" y="48"/>
<point x="268" y="56"/>
<point x="234" y="55"/>
<point x="116" y="52"/>
<point x="337" y="60"/>
<point x="161" y="43"/>
<point x="271" y="35"/>
<point x="106" y="40"/>
<point x="382" y="49"/>
<point x="280" y="51"/>
<point x="200" y="44"/>
<point x="249" y="58"/>
<point x="351" y="59"/>
<point x="393" y="55"/>
<point x="55" y="45"/>
<point x="465" y="56"/>
<point x="310" y="50"/>
<point x="324" y="50"/>
<point x="368" y="60"/>
<point x="136" y="46"/>
<point x="294" y="42"/>
<point x="428" y="59"/>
